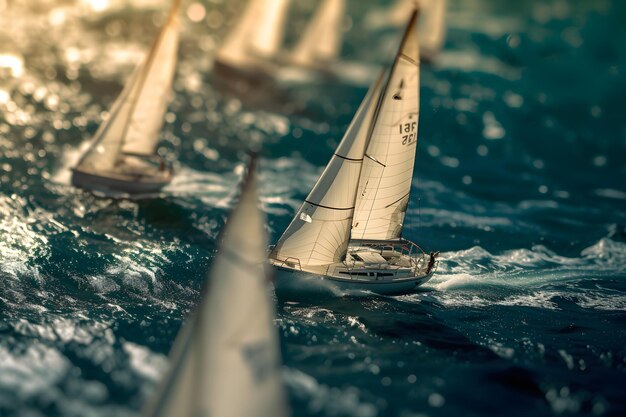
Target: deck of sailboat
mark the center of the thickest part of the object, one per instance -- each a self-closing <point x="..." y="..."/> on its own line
<point x="371" y="261"/>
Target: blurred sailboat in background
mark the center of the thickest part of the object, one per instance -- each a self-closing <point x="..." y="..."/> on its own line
<point x="432" y="22"/>
<point x="321" y="41"/>
<point x="317" y="54"/>
<point x="254" y="51"/>
<point x="225" y="362"/>
<point x="122" y="157"/>
<point x="347" y="233"/>
<point x="251" y="48"/>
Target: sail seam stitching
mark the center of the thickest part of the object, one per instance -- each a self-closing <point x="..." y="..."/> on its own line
<point x="328" y="207"/>
<point x="408" y="58"/>
<point x="376" y="160"/>
<point x="348" y="159"/>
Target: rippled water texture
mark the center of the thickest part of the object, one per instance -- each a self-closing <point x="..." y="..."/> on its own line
<point x="519" y="182"/>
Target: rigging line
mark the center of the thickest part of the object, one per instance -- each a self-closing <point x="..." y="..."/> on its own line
<point x="391" y="204"/>
<point x="419" y="214"/>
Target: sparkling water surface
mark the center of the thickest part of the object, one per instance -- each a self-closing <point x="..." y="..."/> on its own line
<point x="519" y="182"/>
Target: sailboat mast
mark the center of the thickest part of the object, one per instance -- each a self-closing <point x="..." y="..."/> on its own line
<point x="172" y="15"/>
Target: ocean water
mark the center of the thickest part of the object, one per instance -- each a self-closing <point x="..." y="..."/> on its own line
<point x="520" y="182"/>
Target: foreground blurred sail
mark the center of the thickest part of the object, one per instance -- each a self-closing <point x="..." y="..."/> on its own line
<point x="123" y="156"/>
<point x="348" y="230"/>
<point x="321" y="41"/>
<point x="255" y="40"/>
<point x="225" y="362"/>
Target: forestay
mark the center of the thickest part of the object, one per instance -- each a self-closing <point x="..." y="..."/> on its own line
<point x="259" y="31"/>
<point x="319" y="233"/>
<point x="136" y="117"/>
<point x="322" y="38"/>
<point x="225" y="362"/>
<point x="385" y="182"/>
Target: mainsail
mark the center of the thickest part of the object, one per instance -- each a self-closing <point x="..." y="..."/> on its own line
<point x="385" y="182"/>
<point x="225" y="362"/>
<point x="321" y="41"/>
<point x="259" y="31"/>
<point x="319" y="233"/>
<point x="137" y="115"/>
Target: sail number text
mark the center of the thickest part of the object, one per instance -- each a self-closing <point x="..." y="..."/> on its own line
<point x="408" y="132"/>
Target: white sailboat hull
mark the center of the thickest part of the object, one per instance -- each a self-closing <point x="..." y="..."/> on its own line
<point x="290" y="281"/>
<point x="118" y="183"/>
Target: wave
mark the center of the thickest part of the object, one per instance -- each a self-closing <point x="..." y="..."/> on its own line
<point x="321" y="398"/>
<point x="536" y="277"/>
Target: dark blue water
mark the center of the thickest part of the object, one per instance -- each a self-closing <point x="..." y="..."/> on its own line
<point x="520" y="182"/>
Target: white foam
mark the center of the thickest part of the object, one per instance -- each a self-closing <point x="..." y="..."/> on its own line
<point x="323" y="399"/>
<point x="144" y="362"/>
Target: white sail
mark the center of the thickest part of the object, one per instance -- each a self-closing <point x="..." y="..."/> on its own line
<point x="385" y="182"/>
<point x="102" y="155"/>
<point x="259" y="31"/>
<point x="319" y="233"/>
<point x="136" y="116"/>
<point x="225" y="362"/>
<point x="322" y="38"/>
<point x="151" y="102"/>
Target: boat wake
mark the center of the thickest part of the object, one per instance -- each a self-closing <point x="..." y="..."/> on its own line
<point x="536" y="277"/>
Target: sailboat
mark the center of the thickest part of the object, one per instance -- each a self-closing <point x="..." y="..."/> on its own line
<point x="432" y="25"/>
<point x="316" y="55"/>
<point x="347" y="233"/>
<point x="254" y="50"/>
<point x="320" y="44"/>
<point x="122" y="157"/>
<point x="225" y="362"/>
<point x="251" y="48"/>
